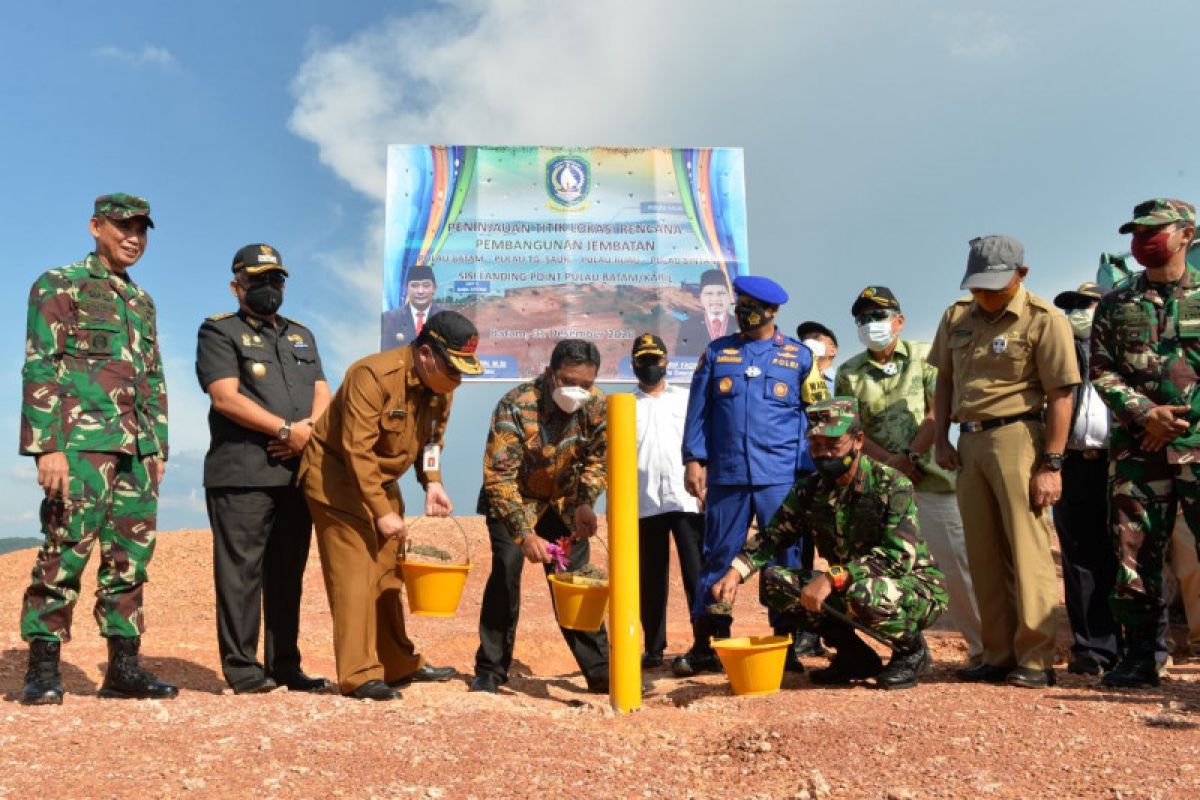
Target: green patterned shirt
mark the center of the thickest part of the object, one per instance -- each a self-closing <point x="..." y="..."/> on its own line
<point x="893" y="406"/>
<point x="93" y="377"/>
<point x="869" y="526"/>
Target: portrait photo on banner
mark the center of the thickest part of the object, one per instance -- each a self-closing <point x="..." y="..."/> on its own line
<point x="539" y="244"/>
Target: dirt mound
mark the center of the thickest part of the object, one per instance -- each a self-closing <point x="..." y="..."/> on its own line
<point x="543" y="736"/>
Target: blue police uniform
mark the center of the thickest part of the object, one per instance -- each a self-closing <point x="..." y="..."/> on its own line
<point x="746" y="423"/>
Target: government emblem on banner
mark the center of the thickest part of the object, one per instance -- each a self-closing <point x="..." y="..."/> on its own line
<point x="568" y="180"/>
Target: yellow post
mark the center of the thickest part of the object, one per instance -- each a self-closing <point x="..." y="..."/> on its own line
<point x="624" y="605"/>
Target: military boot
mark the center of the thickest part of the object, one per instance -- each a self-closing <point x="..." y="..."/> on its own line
<point x="1137" y="668"/>
<point x="701" y="657"/>
<point x="125" y="679"/>
<point x="910" y="659"/>
<point x="853" y="661"/>
<point x="43" y="684"/>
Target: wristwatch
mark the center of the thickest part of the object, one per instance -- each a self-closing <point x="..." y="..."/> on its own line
<point x="838" y="576"/>
<point x="285" y="432"/>
<point x="1052" y="461"/>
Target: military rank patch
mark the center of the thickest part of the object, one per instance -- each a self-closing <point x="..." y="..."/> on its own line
<point x="780" y="389"/>
<point x="725" y="385"/>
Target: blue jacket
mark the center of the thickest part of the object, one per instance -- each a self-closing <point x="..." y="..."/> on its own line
<point x="745" y="416"/>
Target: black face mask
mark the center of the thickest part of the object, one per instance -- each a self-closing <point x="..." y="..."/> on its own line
<point x="749" y="317"/>
<point x="265" y="299"/>
<point x="834" y="467"/>
<point x="649" y="374"/>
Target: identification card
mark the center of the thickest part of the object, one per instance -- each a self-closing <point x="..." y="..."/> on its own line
<point x="431" y="459"/>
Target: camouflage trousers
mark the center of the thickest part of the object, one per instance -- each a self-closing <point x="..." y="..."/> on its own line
<point x="1146" y="495"/>
<point x="112" y="499"/>
<point x="895" y="608"/>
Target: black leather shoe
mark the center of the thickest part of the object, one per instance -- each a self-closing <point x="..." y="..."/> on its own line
<point x="1133" y="672"/>
<point x="598" y="685"/>
<point x="487" y="682"/>
<point x="693" y="663"/>
<point x="1030" y="678"/>
<point x="304" y="683"/>
<point x="374" y="690"/>
<point x="259" y="685"/>
<point x="1084" y="665"/>
<point x="426" y="673"/>
<point x="652" y="660"/>
<point x="909" y="661"/>
<point x="983" y="673"/>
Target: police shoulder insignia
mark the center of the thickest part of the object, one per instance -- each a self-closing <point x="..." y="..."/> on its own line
<point x="221" y="316"/>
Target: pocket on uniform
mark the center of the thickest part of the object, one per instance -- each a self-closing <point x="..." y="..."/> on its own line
<point x="93" y="339"/>
<point x="394" y="431"/>
<point x="1009" y="363"/>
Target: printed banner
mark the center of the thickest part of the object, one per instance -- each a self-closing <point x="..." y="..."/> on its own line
<point x="538" y="244"/>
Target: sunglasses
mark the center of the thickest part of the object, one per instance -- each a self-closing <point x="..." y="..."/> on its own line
<point x="273" y="278"/>
<point x="875" y="315"/>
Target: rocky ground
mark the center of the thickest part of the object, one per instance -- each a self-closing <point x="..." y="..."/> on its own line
<point x="542" y="736"/>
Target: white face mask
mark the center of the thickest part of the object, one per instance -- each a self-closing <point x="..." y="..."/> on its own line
<point x="571" y="398"/>
<point x="1081" y="322"/>
<point x="876" y="335"/>
<point x="816" y="345"/>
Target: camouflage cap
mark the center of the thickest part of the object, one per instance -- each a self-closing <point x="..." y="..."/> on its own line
<point x="257" y="259"/>
<point x="122" y="206"/>
<point x="1085" y="295"/>
<point x="1160" y="211"/>
<point x="833" y="417"/>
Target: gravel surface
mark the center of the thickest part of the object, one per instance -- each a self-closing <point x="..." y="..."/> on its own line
<point x="543" y="736"/>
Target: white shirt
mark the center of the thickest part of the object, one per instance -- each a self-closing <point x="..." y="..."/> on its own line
<point x="1091" y="425"/>
<point x="659" y="457"/>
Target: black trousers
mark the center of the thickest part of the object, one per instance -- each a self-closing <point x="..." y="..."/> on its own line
<point x="501" y="606"/>
<point x="261" y="538"/>
<point x="1089" y="558"/>
<point x="654" y="552"/>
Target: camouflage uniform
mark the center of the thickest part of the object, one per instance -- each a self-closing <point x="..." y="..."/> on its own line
<point x="1146" y="352"/>
<point x="93" y="389"/>
<point x="869" y="528"/>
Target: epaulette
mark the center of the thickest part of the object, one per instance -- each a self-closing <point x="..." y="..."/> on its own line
<point x="295" y="322"/>
<point x="221" y="316"/>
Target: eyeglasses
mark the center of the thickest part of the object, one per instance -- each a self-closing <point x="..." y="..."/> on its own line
<point x="276" y="279"/>
<point x="875" y="315"/>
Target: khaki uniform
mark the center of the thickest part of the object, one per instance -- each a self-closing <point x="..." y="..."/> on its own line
<point x="374" y="430"/>
<point x="1003" y="369"/>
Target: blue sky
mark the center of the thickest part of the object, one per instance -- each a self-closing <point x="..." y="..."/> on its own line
<point x="879" y="136"/>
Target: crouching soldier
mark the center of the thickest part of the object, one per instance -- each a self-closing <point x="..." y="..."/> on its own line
<point x="881" y="575"/>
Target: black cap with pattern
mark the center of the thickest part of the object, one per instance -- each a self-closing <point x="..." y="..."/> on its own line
<point x="257" y="259"/>
<point x="874" y="297"/>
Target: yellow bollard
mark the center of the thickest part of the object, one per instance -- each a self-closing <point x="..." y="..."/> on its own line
<point x="624" y="607"/>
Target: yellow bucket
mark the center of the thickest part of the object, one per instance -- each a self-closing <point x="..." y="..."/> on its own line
<point x="754" y="664"/>
<point x="434" y="589"/>
<point x="579" y="607"/>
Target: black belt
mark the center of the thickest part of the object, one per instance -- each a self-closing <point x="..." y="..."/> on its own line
<point x="1089" y="453"/>
<point x="988" y="424"/>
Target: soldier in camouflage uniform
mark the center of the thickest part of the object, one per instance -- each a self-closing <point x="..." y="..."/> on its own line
<point x="94" y="415"/>
<point x="864" y="519"/>
<point x="1144" y="361"/>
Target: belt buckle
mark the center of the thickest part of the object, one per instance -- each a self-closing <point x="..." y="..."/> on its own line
<point x="971" y="427"/>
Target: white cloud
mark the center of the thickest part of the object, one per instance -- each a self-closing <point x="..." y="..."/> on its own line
<point x="976" y="35"/>
<point x="541" y="72"/>
<point x="148" y="54"/>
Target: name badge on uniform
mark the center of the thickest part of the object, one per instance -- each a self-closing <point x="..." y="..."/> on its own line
<point x="298" y="341"/>
<point x="397" y="413"/>
<point x="431" y="458"/>
<point x="753" y="371"/>
<point x="999" y="345"/>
